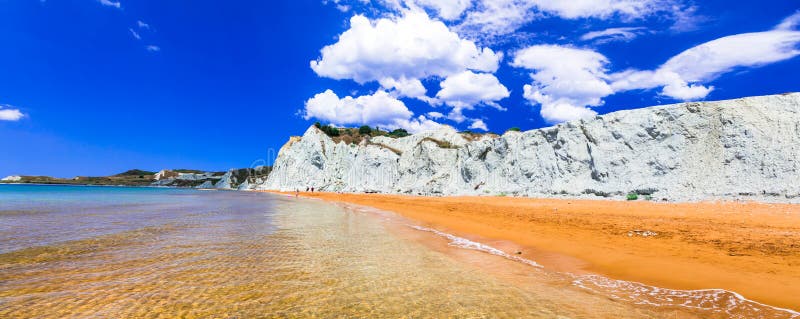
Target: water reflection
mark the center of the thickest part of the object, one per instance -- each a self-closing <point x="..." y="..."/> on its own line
<point x="240" y="255"/>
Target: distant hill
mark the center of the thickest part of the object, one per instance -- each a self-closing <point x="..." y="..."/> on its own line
<point x="133" y="177"/>
<point x="135" y="172"/>
<point x="123" y="179"/>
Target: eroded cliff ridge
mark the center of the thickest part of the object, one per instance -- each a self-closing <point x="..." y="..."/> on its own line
<point x="743" y="148"/>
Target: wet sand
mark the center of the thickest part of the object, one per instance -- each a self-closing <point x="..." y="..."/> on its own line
<point x="749" y="248"/>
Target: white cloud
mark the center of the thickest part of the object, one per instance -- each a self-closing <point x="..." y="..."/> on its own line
<point x="556" y="109"/>
<point x="685" y="18"/>
<point x="378" y="109"/>
<point x="574" y="9"/>
<point x="435" y="115"/>
<point x="565" y="80"/>
<point x="153" y="48"/>
<point x="465" y="90"/>
<point x="9" y="114"/>
<point x="681" y="75"/>
<point x="710" y="59"/>
<point x="405" y="87"/>
<point x="142" y="25"/>
<point x="499" y="17"/>
<point x="614" y="34"/>
<point x="790" y="23"/>
<point x="399" y="49"/>
<point x="110" y="3"/>
<point x="493" y="18"/>
<point x="398" y="52"/>
<point x="673" y="84"/>
<point x="446" y="9"/>
<point x="487" y="20"/>
<point x="478" y="124"/>
<point x="135" y="34"/>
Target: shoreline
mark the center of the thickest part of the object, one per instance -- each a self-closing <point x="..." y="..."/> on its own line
<point x="119" y="186"/>
<point x="750" y="248"/>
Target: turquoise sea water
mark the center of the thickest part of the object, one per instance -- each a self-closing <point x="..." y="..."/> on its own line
<point x="35" y="215"/>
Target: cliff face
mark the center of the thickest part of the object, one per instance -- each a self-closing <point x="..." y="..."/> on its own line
<point x="742" y="148"/>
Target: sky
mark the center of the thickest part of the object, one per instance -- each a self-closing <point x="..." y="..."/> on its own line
<point x="97" y="87"/>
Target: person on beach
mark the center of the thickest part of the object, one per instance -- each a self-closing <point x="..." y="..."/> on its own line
<point x="312" y="189"/>
<point x="297" y="192"/>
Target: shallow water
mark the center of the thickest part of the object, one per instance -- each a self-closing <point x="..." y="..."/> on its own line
<point x="72" y="252"/>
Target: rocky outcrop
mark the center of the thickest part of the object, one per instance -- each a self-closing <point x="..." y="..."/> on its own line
<point x="206" y="185"/>
<point x="183" y="176"/>
<point x="194" y="179"/>
<point x="243" y="179"/>
<point x="743" y="148"/>
<point x="238" y="179"/>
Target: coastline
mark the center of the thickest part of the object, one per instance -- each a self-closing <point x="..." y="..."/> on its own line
<point x="121" y="185"/>
<point x="749" y="248"/>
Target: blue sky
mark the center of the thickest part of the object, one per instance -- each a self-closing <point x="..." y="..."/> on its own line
<point x="94" y="87"/>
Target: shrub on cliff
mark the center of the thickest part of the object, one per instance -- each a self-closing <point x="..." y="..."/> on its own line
<point x="365" y="130"/>
<point x="328" y="129"/>
<point x="399" y="133"/>
<point x="332" y="131"/>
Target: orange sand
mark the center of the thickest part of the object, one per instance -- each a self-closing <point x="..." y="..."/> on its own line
<point x="749" y="248"/>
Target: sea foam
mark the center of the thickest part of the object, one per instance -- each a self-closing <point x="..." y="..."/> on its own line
<point x="468" y="244"/>
<point x="717" y="301"/>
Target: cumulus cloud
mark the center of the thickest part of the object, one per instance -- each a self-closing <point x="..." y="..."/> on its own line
<point x="111" y="3"/>
<point x="399" y="50"/>
<point x="7" y="113"/>
<point x="614" y="34"/>
<point x="478" y="124"/>
<point x="566" y="80"/>
<point x="405" y="87"/>
<point x="435" y="115"/>
<point x="465" y="90"/>
<point x="153" y="48"/>
<point x="378" y="109"/>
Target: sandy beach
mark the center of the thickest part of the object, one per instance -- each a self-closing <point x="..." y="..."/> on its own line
<point x="749" y="248"/>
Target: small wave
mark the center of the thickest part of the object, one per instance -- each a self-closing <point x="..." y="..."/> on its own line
<point x="730" y="303"/>
<point x="468" y="244"/>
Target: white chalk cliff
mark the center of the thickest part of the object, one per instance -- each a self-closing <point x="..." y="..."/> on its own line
<point x="744" y="148"/>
